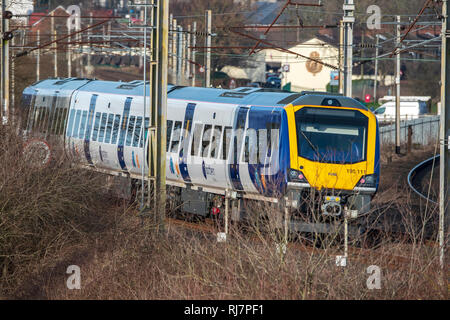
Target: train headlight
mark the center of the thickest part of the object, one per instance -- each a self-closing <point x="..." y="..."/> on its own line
<point x="297" y="176"/>
<point x="368" y="181"/>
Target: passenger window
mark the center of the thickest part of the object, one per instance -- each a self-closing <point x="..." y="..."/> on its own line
<point x="246" y="150"/>
<point x="101" y="133"/>
<point x="82" y="125"/>
<point x="215" y="141"/>
<point x="29" y="121"/>
<point x="235" y="149"/>
<point x="206" y="140"/>
<point x="37" y="118"/>
<point x="57" y="121"/>
<point x="96" y="126"/>
<point x="115" y="129"/>
<point x="169" y="133"/>
<point x="251" y="146"/>
<point x="109" y="125"/>
<point x="41" y="119"/>
<point x="52" y="124"/>
<point x="130" y="130"/>
<point x="63" y="121"/>
<point x="262" y="145"/>
<point x="272" y="136"/>
<point x="71" y="121"/>
<point x="183" y="133"/>
<point x="77" y="123"/>
<point x="46" y="124"/>
<point x="176" y="136"/>
<point x="44" y="120"/>
<point x="52" y="118"/>
<point x="137" y="131"/>
<point x="226" y="142"/>
<point x="147" y="123"/>
<point x="196" y="139"/>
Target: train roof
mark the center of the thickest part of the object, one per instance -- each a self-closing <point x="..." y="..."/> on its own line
<point x="60" y="83"/>
<point x="239" y="96"/>
<point x="244" y="96"/>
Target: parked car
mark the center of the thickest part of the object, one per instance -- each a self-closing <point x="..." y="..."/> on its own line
<point x="408" y="109"/>
<point x="273" y="82"/>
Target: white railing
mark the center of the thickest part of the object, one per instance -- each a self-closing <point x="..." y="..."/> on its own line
<point x="384" y="119"/>
<point x="424" y="130"/>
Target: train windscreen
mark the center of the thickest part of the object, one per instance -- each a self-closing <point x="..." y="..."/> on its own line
<point x="331" y="135"/>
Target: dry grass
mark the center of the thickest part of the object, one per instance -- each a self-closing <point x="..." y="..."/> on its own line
<point x="43" y="212"/>
<point x="55" y="217"/>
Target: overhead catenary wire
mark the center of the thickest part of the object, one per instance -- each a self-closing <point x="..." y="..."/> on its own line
<point x="426" y="5"/>
<point x="118" y="43"/>
<point x="23" y="53"/>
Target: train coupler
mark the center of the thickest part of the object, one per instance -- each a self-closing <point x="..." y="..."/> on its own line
<point x="332" y="206"/>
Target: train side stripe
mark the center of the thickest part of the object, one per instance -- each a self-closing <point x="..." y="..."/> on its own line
<point x="123" y="131"/>
<point x="88" y="133"/>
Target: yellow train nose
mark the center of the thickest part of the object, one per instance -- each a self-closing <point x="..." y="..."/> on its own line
<point x="333" y="176"/>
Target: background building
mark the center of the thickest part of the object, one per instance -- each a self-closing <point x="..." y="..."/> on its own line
<point x="301" y="73"/>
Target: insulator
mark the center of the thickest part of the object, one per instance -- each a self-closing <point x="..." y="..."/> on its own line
<point x="7" y="15"/>
<point x="7" y="36"/>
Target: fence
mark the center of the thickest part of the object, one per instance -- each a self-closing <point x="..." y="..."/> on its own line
<point x="424" y="131"/>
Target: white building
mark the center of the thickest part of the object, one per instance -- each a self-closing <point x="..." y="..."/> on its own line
<point x="302" y="73"/>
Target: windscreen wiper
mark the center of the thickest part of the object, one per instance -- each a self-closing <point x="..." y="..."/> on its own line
<point x="311" y="144"/>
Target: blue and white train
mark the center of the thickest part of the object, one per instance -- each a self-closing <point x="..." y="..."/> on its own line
<point x="262" y="144"/>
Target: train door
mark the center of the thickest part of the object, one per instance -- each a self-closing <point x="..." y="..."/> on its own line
<point x="49" y="131"/>
<point x="126" y="122"/>
<point x="248" y="158"/>
<point x="185" y="139"/>
<point x="203" y="150"/>
<point x="175" y="116"/>
<point x="213" y="166"/>
<point x="32" y="113"/>
<point x="140" y="154"/>
<point x="80" y="132"/>
<point x="261" y="148"/>
<point x="60" y="118"/>
<point x="133" y="153"/>
<point x="237" y="145"/>
<point x="270" y="149"/>
<point x="89" y="128"/>
<point x="195" y="150"/>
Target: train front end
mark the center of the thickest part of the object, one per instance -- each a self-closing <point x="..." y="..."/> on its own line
<point x="334" y="153"/>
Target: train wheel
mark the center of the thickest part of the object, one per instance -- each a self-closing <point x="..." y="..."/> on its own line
<point x="173" y="206"/>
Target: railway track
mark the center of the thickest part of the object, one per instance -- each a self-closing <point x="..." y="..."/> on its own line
<point x="416" y="178"/>
<point x="417" y="175"/>
<point x="356" y="254"/>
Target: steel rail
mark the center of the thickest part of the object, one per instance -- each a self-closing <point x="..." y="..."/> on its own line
<point x="421" y="166"/>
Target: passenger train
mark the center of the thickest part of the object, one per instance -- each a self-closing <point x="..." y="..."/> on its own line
<point x="258" y="144"/>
